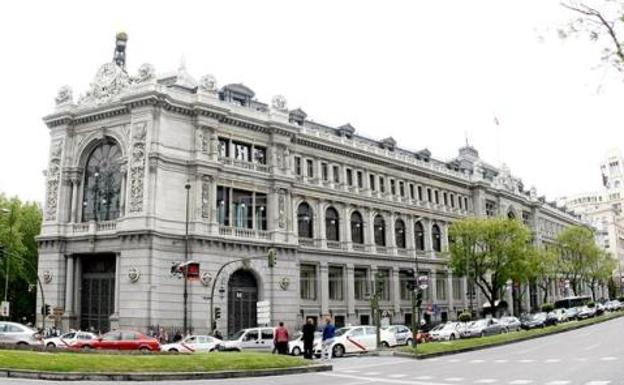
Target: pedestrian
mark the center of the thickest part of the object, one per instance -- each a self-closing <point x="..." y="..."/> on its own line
<point x="177" y="337"/>
<point x="328" y="339"/>
<point x="163" y="336"/>
<point x="217" y="334"/>
<point x="308" y="339"/>
<point x="281" y="339"/>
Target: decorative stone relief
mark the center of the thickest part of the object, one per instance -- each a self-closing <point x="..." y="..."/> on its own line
<point x="205" y="208"/>
<point x="284" y="283"/>
<point x="64" y="96"/>
<point x="146" y="73"/>
<point x="279" y="103"/>
<point x="205" y="278"/>
<point x="286" y="161"/>
<point x="134" y="274"/>
<point x="47" y="277"/>
<point x="137" y="168"/>
<point x="53" y="180"/>
<point x="109" y="81"/>
<point x="208" y="83"/>
<point x="282" y="208"/>
<point x="203" y="140"/>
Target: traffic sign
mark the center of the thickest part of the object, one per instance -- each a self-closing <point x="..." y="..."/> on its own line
<point x="263" y="309"/>
<point x="4" y="309"/>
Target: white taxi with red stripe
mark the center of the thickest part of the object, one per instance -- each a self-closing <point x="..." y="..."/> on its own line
<point x="193" y="344"/>
<point x="359" y="339"/>
<point x="68" y="339"/>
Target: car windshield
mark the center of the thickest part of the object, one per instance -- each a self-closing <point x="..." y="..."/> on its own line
<point x="341" y="331"/>
<point x="449" y="326"/>
<point x="237" y="335"/>
<point x="439" y="327"/>
<point x="478" y="324"/>
<point x="296" y="336"/>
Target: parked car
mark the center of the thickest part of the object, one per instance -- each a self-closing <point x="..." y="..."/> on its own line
<point x="613" y="305"/>
<point x="561" y="314"/>
<point x="572" y="313"/>
<point x="551" y="319"/>
<point x="121" y="340"/>
<point x="533" y="321"/>
<point x="586" y="312"/>
<point x="511" y="323"/>
<point x="192" y="344"/>
<point x="402" y="334"/>
<point x="17" y="334"/>
<point x="67" y="340"/>
<point x="600" y="308"/>
<point x="252" y="338"/>
<point x="483" y="327"/>
<point x="359" y="339"/>
<point x="446" y="332"/>
<point x="295" y="345"/>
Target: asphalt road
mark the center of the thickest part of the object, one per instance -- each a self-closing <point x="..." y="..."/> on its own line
<point x="588" y="356"/>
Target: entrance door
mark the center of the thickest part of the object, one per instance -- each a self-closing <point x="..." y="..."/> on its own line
<point x="242" y="300"/>
<point x="98" y="292"/>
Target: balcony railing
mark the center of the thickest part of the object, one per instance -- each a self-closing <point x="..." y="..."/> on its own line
<point x="106" y="226"/>
<point x="306" y="242"/>
<point x="242" y="232"/>
<point x="381" y="249"/>
<point x="333" y="245"/>
<point x="403" y="252"/>
<point x="80" y="227"/>
<point x="358" y="247"/>
<point x="254" y="166"/>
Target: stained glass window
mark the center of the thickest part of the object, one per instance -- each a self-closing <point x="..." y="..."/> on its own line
<point x="102" y="184"/>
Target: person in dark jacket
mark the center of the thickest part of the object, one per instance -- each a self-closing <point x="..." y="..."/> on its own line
<point x="328" y="339"/>
<point x="308" y="339"/>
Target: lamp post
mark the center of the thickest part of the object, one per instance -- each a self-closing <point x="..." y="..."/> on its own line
<point x="187" y="186"/>
<point x="6" y="280"/>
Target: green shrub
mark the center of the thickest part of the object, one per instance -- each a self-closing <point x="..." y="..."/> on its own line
<point x="465" y="317"/>
<point x="591" y="304"/>
<point x="548" y="307"/>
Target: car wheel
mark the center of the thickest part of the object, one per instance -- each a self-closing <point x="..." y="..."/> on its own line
<point x="452" y="337"/>
<point x="385" y="345"/>
<point x="50" y="345"/>
<point x="87" y="348"/>
<point x="212" y="350"/>
<point x="144" y="349"/>
<point x="482" y="334"/>
<point x="22" y="344"/>
<point x="409" y="342"/>
<point x="172" y="350"/>
<point x="296" y="351"/>
<point x="338" y="351"/>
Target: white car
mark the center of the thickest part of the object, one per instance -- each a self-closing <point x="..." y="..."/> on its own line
<point x="359" y="339"/>
<point x="252" y="338"/>
<point x="295" y="346"/>
<point x="13" y="333"/>
<point x="561" y="314"/>
<point x="192" y="344"/>
<point x="446" y="332"/>
<point x="402" y="334"/>
<point x="68" y="339"/>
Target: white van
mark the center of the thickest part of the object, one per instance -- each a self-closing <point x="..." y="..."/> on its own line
<point x="260" y="338"/>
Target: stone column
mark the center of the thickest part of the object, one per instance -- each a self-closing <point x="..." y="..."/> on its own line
<point x="395" y="293"/>
<point x="465" y="292"/>
<point x="75" y="182"/>
<point x="444" y="236"/>
<point x="320" y="225"/>
<point x="77" y="285"/>
<point x="432" y="284"/>
<point x="69" y="286"/>
<point x="345" y="228"/>
<point x="527" y="298"/>
<point x="390" y="235"/>
<point x="214" y="207"/>
<point x="426" y="222"/>
<point x="410" y="240"/>
<point x="369" y="219"/>
<point x="449" y="293"/>
<point x="114" y="318"/>
<point x="324" y="273"/>
<point x="330" y="174"/>
<point x="350" y="293"/>
<point x="122" y="192"/>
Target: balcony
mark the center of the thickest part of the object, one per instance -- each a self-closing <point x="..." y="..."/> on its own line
<point x="381" y="249"/>
<point x="92" y="227"/>
<point x="403" y="252"/>
<point x="242" y="232"/>
<point x="333" y="245"/>
<point x="308" y="242"/>
<point x="246" y="165"/>
<point x="106" y="226"/>
<point x="358" y="247"/>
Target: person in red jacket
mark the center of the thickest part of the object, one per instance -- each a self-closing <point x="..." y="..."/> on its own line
<point x="281" y="339"/>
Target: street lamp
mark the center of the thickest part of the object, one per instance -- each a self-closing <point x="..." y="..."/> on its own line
<point x="187" y="186"/>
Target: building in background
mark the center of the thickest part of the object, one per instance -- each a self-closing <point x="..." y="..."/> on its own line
<point x="339" y="208"/>
<point x="603" y="209"/>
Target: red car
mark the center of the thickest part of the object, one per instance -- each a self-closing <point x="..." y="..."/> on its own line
<point x="121" y="340"/>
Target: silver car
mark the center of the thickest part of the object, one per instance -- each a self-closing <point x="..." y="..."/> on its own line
<point x="17" y="334"/>
<point x="511" y="323"/>
<point x="402" y="334"/>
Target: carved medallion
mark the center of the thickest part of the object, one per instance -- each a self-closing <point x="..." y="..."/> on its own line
<point x="284" y="283"/>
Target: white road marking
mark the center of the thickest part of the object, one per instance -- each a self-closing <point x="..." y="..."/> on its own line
<point x="486" y="381"/>
<point x="581" y="359"/>
<point x="454" y="360"/>
<point x="552" y="360"/>
<point x="384" y="363"/>
<point x="476" y="361"/>
<point x="590" y="347"/>
<point x="454" y="379"/>
<point x="520" y="382"/>
<point x="608" y="358"/>
<point x="380" y="380"/>
<point x="348" y="371"/>
<point x="526" y="361"/>
<point x="558" y="382"/>
<point x="423" y="378"/>
<point x="598" y="383"/>
<point x="372" y="373"/>
<point x="501" y="361"/>
<point x="397" y="375"/>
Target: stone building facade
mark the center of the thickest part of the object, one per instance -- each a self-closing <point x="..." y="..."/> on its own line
<point x="339" y="208"/>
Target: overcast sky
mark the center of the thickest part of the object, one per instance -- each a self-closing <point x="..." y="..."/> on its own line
<point x="427" y="73"/>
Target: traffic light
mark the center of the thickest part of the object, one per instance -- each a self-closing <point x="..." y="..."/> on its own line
<point x="217" y="313"/>
<point x="272" y="258"/>
<point x="419" y="297"/>
<point x="45" y="310"/>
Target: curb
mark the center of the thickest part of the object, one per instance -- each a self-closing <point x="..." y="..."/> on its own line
<point x="497" y="344"/>
<point x="83" y="376"/>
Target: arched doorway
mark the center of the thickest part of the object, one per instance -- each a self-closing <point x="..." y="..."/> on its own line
<point x="242" y="299"/>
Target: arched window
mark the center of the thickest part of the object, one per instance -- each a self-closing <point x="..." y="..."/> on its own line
<point x="357" y="228"/>
<point x="436" y="238"/>
<point x="380" y="230"/>
<point x="511" y="215"/>
<point x="419" y="236"/>
<point x="102" y="183"/>
<point x="399" y="233"/>
<point x="332" y="224"/>
<point x="304" y="221"/>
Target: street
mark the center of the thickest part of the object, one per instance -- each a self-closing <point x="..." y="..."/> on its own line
<point x="588" y="356"/>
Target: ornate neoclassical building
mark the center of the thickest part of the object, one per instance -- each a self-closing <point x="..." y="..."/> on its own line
<point x="339" y="208"/>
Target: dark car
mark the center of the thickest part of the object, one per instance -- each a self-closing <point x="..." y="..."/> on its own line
<point x="534" y="321"/>
<point x="121" y="340"/>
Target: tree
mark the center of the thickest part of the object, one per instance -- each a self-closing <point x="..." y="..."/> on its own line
<point x="577" y="251"/>
<point x="541" y="268"/>
<point x="603" y="24"/>
<point x="490" y="251"/>
<point x="20" y="223"/>
<point x="599" y="271"/>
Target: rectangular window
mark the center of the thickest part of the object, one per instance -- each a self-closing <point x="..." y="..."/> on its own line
<point x="411" y="191"/>
<point x="459" y="200"/>
<point x="298" y="166"/>
<point x="259" y="155"/>
<point x="242" y="151"/>
<point x="429" y="196"/>
<point x="360" y="283"/>
<point x="223" y="205"/>
<point x="457" y="289"/>
<point x="309" y="168"/>
<point x="465" y="203"/>
<point x="441" y="288"/>
<point x="360" y="179"/>
<point x="420" y="193"/>
<point x="437" y="197"/>
<point x="371" y="181"/>
<point x="445" y="199"/>
<point x="307" y="282"/>
<point x="452" y="201"/>
<point x="242" y="208"/>
<point x="404" y="278"/>
<point x="336" y="283"/>
<point x="324" y="171"/>
<point x="392" y="187"/>
<point x="384" y="276"/>
<point x="401" y="188"/>
<point x="261" y="211"/>
<point x="382" y="184"/>
<point x="336" y="171"/>
<point x="349" y="177"/>
<point x="224" y="148"/>
<point x="490" y="208"/>
<point x="526" y="217"/>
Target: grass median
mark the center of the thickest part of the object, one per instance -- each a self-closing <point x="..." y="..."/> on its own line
<point x="146" y="363"/>
<point x="436" y="348"/>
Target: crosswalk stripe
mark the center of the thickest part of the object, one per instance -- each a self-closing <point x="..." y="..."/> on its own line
<point x="476" y="361"/>
<point x="598" y="383"/>
<point x="558" y="382"/>
<point x="501" y="361"/>
<point x="520" y="382"/>
<point x="423" y="378"/>
<point x="397" y="375"/>
<point x="609" y="358"/>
